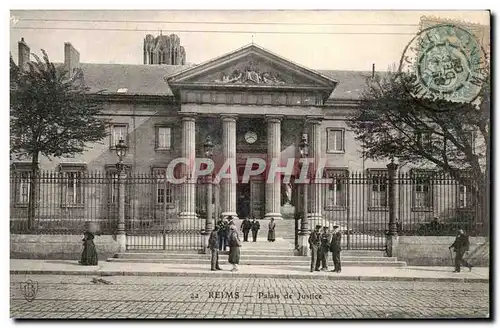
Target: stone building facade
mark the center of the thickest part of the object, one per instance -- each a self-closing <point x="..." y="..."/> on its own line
<point x="252" y="103"/>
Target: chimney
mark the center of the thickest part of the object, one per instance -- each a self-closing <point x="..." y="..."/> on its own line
<point x="373" y="70"/>
<point x="23" y="54"/>
<point x="71" y="58"/>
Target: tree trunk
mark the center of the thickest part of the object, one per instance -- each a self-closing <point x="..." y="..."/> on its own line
<point x="486" y="205"/>
<point x="32" y="203"/>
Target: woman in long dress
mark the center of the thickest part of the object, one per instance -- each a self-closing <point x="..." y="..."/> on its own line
<point x="271" y="234"/>
<point x="89" y="253"/>
<point x="234" y="247"/>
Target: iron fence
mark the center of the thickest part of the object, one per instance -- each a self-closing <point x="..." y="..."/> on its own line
<point x="426" y="203"/>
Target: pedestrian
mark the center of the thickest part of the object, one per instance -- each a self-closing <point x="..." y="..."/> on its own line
<point x="213" y="245"/>
<point x="234" y="248"/>
<point x="335" y="248"/>
<point x="460" y="246"/>
<point x="246" y="225"/>
<point x="323" y="249"/>
<point x="229" y="223"/>
<point x="222" y="233"/>
<point x="89" y="253"/>
<point x="271" y="234"/>
<point x="255" y="229"/>
<point x="314" y="243"/>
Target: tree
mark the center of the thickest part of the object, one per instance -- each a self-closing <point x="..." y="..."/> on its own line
<point x="455" y="137"/>
<point x="51" y="114"/>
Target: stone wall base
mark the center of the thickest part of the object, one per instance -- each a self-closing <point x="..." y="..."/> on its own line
<point x="61" y="247"/>
<point x="433" y="250"/>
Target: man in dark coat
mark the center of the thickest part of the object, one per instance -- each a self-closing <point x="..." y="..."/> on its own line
<point x="335" y="249"/>
<point x="246" y="225"/>
<point x="323" y="249"/>
<point x="213" y="245"/>
<point x="222" y="233"/>
<point x="460" y="246"/>
<point x="255" y="229"/>
<point x="234" y="247"/>
<point x="314" y="244"/>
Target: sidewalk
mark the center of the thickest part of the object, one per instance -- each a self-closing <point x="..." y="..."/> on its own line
<point x="62" y="267"/>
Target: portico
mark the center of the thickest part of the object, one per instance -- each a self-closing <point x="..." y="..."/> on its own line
<point x="242" y="100"/>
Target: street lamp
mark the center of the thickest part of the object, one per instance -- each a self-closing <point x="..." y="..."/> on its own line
<point x="209" y="152"/>
<point x="121" y="151"/>
<point x="304" y="229"/>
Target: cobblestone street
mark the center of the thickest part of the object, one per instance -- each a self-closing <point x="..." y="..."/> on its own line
<point x="190" y="297"/>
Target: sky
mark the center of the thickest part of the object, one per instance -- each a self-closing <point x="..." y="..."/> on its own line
<point x="356" y="41"/>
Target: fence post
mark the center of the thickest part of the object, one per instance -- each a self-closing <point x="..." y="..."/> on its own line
<point x="209" y="225"/>
<point x="121" y="237"/>
<point x="304" y="223"/>
<point x="392" y="235"/>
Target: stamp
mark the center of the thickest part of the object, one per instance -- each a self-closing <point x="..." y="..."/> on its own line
<point x="444" y="62"/>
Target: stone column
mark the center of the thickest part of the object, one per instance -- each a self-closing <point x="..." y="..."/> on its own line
<point x="316" y="152"/>
<point x="228" y="185"/>
<point x="188" y="199"/>
<point x="273" y="185"/>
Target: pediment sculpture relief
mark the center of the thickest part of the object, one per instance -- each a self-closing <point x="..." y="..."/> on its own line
<point x="250" y="74"/>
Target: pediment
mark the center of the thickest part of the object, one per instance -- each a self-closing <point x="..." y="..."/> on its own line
<point x="252" y="67"/>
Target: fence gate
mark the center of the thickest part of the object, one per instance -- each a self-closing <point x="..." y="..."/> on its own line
<point x="154" y="221"/>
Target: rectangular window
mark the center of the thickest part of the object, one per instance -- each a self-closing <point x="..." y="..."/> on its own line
<point x="470" y="140"/>
<point x="23" y="187"/>
<point x="464" y="197"/>
<point x="112" y="183"/>
<point x="118" y="131"/>
<point x="335" y="140"/>
<point x="422" y="190"/>
<point x="163" y="189"/>
<point x="163" y="138"/>
<point x="425" y="140"/>
<point x="72" y="188"/>
<point x="378" y="189"/>
<point x="114" y="188"/>
<point x="336" y="191"/>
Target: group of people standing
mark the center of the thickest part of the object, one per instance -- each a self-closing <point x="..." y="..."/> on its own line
<point x="322" y="242"/>
<point x="225" y="235"/>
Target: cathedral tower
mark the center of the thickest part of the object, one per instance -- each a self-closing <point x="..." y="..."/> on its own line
<point x="164" y="49"/>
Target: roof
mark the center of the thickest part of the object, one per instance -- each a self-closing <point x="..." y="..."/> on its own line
<point x="150" y="79"/>
<point x="137" y="79"/>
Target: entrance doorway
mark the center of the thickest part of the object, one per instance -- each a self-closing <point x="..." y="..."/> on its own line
<point x="250" y="196"/>
<point x="243" y="200"/>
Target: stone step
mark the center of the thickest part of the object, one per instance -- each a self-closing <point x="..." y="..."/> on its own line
<point x="246" y="251"/>
<point x="244" y="256"/>
<point x="301" y="261"/>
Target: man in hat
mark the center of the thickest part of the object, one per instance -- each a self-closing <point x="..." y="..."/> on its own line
<point x="221" y="231"/>
<point x="255" y="229"/>
<point x="314" y="244"/>
<point x="323" y="249"/>
<point x="460" y="246"/>
<point x="213" y="245"/>
<point x="246" y="225"/>
<point x="335" y="248"/>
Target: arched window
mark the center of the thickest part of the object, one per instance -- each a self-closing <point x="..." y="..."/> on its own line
<point x="160" y="57"/>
